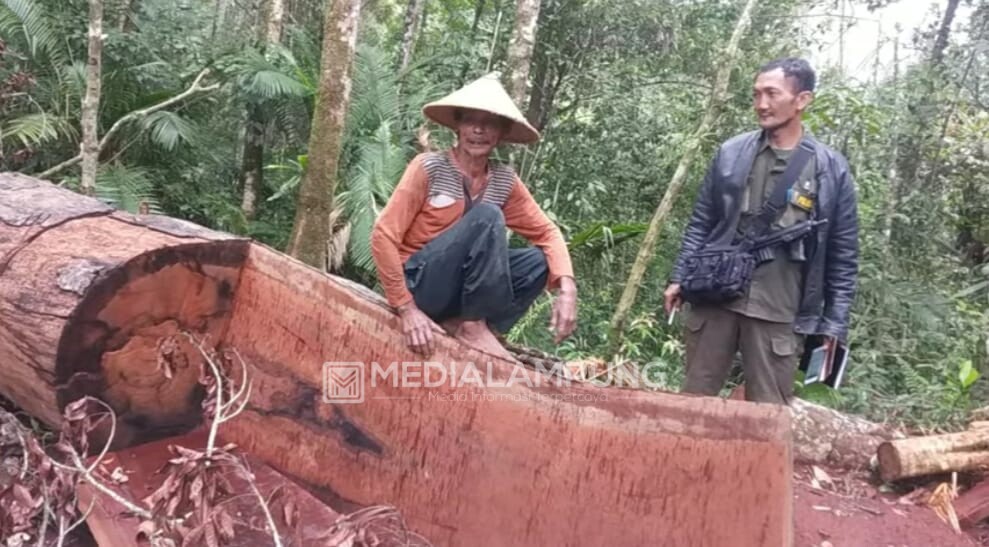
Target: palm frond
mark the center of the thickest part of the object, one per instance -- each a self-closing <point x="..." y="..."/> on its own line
<point x="28" y="18"/>
<point x="169" y="129"/>
<point x="126" y="188"/>
<point x="290" y="173"/>
<point x="375" y="97"/>
<point x="266" y="76"/>
<point x="34" y="129"/>
<point x="373" y="178"/>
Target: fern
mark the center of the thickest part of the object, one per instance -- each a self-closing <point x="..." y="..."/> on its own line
<point x="378" y="169"/>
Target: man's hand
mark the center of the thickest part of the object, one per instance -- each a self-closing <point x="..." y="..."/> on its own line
<point x="564" y="318"/>
<point x="671" y="298"/>
<point x="417" y="327"/>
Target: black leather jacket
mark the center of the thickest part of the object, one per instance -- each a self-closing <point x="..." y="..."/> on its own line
<point x="832" y="253"/>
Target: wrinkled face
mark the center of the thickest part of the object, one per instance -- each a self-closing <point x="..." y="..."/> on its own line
<point x="479" y="132"/>
<point x="776" y="100"/>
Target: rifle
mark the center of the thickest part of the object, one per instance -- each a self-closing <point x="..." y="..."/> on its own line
<point x="762" y="247"/>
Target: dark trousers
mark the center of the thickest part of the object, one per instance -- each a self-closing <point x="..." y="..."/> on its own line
<point x="770" y="354"/>
<point x="468" y="272"/>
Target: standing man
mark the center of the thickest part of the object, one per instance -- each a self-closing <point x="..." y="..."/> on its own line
<point x="440" y="243"/>
<point x="804" y="287"/>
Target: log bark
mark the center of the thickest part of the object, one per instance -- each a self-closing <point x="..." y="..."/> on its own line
<point x="918" y="456"/>
<point x="87" y="293"/>
<point x="823" y="435"/>
<point x="311" y="226"/>
<point x="91" y="101"/>
<point x="648" y="247"/>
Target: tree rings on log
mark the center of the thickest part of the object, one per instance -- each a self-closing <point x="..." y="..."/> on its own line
<point x="88" y="294"/>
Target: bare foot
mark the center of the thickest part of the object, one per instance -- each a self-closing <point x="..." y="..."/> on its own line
<point x="478" y="335"/>
<point x="451" y="326"/>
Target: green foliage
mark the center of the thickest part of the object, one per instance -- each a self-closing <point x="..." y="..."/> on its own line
<point x="617" y="88"/>
<point x="374" y="175"/>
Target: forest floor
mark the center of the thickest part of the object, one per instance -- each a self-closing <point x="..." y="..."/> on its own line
<point x="851" y="511"/>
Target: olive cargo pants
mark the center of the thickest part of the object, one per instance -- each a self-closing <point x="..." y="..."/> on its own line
<point x="770" y="354"/>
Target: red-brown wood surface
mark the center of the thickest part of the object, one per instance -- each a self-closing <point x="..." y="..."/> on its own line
<point x="972" y="506"/>
<point x="86" y="294"/>
<point x="87" y="291"/>
<point x="595" y="466"/>
<point x="113" y="526"/>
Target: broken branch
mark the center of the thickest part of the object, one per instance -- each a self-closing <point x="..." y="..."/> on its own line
<point x="133" y="116"/>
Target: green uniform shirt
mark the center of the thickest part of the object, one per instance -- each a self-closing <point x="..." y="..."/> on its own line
<point x="774" y="294"/>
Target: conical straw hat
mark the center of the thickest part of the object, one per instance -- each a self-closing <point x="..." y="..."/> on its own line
<point x="487" y="94"/>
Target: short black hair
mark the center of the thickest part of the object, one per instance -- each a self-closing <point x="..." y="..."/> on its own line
<point x="796" y="68"/>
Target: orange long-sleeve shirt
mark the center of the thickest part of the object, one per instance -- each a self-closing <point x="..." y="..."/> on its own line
<point x="415" y="215"/>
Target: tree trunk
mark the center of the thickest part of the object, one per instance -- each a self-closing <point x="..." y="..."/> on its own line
<point x="917" y="456"/>
<point x="822" y="435"/>
<point x="478" y="11"/>
<point x="125" y="21"/>
<point x="941" y="40"/>
<point x="274" y="22"/>
<point x="252" y="161"/>
<point x="915" y="147"/>
<point x="538" y="93"/>
<point x="219" y="7"/>
<point x="91" y="101"/>
<point x="520" y="49"/>
<point x="825" y="436"/>
<point x="311" y="228"/>
<point x="648" y="247"/>
<point x="87" y="294"/>
<point x="413" y="13"/>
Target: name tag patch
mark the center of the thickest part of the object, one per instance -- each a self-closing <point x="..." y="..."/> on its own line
<point x="801" y="200"/>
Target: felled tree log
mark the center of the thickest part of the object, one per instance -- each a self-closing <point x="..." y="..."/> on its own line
<point x="86" y="292"/>
<point x="917" y="456"/>
<point x="823" y="435"/>
<point x="516" y="465"/>
<point x="86" y="295"/>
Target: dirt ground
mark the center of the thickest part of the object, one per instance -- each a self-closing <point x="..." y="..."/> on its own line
<point x="849" y="511"/>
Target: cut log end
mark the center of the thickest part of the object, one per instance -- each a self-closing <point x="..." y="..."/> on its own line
<point x="889" y="462"/>
<point x="139" y="315"/>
